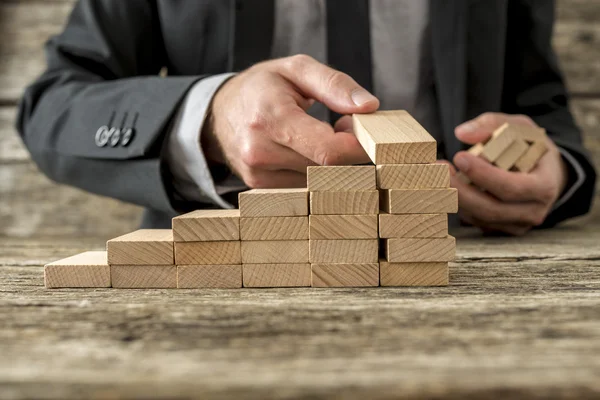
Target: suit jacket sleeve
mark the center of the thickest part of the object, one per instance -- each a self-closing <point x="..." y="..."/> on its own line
<point x="103" y="68"/>
<point x="534" y="86"/>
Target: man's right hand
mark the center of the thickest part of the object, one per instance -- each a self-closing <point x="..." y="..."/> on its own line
<point x="259" y="127"/>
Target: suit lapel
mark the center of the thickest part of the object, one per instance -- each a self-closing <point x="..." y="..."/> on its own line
<point x="253" y="27"/>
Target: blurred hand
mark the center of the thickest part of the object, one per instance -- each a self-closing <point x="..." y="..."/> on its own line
<point x="259" y="126"/>
<point x="504" y="201"/>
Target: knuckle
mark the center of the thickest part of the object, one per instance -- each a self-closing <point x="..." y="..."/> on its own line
<point x="251" y="155"/>
<point x="489" y="118"/>
<point x="335" y="79"/>
<point x="547" y="194"/>
<point x="258" y="121"/>
<point x="297" y="62"/>
<point x="253" y="180"/>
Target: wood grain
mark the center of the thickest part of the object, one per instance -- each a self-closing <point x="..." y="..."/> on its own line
<point x="394" y="137"/>
<point x="501" y="139"/>
<point x="275" y="251"/>
<point x="273" y="203"/>
<point x="343" y="227"/>
<point x="420" y="250"/>
<point x="276" y="275"/>
<point x="341" y="178"/>
<point x="144" y="276"/>
<point x="413" y="225"/>
<point x="345" y="275"/>
<point x="531" y="157"/>
<point x="274" y="228"/>
<point x="413" y="176"/>
<point x="530" y="134"/>
<point x="509" y="157"/>
<point x="344" y="251"/>
<point x="209" y="276"/>
<point x="344" y="202"/>
<point x="142" y="247"/>
<point x="419" y="201"/>
<point x="413" y="274"/>
<point x="207" y="225"/>
<point x="207" y="253"/>
<point x="85" y="270"/>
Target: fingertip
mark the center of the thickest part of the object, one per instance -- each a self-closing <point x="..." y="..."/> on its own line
<point x="364" y="100"/>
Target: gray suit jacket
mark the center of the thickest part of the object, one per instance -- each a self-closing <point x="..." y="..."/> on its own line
<point x="492" y="55"/>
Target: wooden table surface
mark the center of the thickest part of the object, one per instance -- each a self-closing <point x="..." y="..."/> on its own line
<point x="521" y="318"/>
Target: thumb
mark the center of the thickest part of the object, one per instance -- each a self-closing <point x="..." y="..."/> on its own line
<point x="479" y="129"/>
<point x="344" y="124"/>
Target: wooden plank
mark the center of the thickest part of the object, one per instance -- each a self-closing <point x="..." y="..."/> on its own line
<point x="413" y="176"/>
<point x="274" y="228"/>
<point x="142" y="247"/>
<point x="394" y="137"/>
<point x="344" y="251"/>
<point x="207" y="225"/>
<point x="413" y="225"/>
<point x="530" y="134"/>
<point x="85" y="270"/>
<point x="276" y="275"/>
<point x="341" y="178"/>
<point x="275" y="252"/>
<point x="345" y="275"/>
<point x="273" y="203"/>
<point x="209" y="276"/>
<point x="343" y="227"/>
<point x="342" y="202"/>
<point x="510" y="156"/>
<point x="419" y="201"/>
<point x="501" y="139"/>
<point x="413" y="274"/>
<point x="420" y="250"/>
<point x="531" y="157"/>
<point x="144" y="276"/>
<point x="207" y="253"/>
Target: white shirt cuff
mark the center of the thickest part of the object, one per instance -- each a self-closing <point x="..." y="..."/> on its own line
<point x="578" y="182"/>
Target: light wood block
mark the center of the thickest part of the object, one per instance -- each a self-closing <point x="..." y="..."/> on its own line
<point x="207" y="253"/>
<point x="275" y="252"/>
<point x="344" y="251"/>
<point x="510" y="156"/>
<point x="274" y="228"/>
<point x="531" y="156"/>
<point x="345" y="203"/>
<point x="343" y="227"/>
<point x="144" y="276"/>
<point x="530" y="134"/>
<point x="345" y="275"/>
<point x="413" y="274"/>
<point x="419" y="201"/>
<point x="84" y="270"/>
<point x="142" y="247"/>
<point x="209" y="276"/>
<point x="276" y="275"/>
<point x="335" y="178"/>
<point x="420" y="250"/>
<point x="501" y="139"/>
<point x="413" y="176"/>
<point x="413" y="225"/>
<point x="207" y="225"/>
<point x="394" y="137"/>
<point x="273" y="203"/>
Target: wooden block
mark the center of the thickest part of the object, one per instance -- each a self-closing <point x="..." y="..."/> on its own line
<point x="275" y="252"/>
<point x="274" y="228"/>
<point x="344" y="251"/>
<point x="346" y="203"/>
<point x="343" y="227"/>
<point x="530" y="134"/>
<point x="420" y="250"/>
<point x="209" y="276"/>
<point x="276" y="275"/>
<point x="144" y="276"/>
<point x="413" y="176"/>
<point x="531" y="156"/>
<point x="394" y="137"/>
<point x="413" y="274"/>
<point x="345" y="275"/>
<point x="85" y="270"/>
<point x="350" y="178"/>
<point x="501" y="139"/>
<point x="510" y="156"/>
<point x="273" y="203"/>
<point x="207" y="225"/>
<point x="413" y="225"/>
<point x="419" y="201"/>
<point x="207" y="253"/>
<point x="142" y="247"/>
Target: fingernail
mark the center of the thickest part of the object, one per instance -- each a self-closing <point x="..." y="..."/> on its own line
<point x="462" y="163"/>
<point x="467" y="127"/>
<point x="361" y="96"/>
